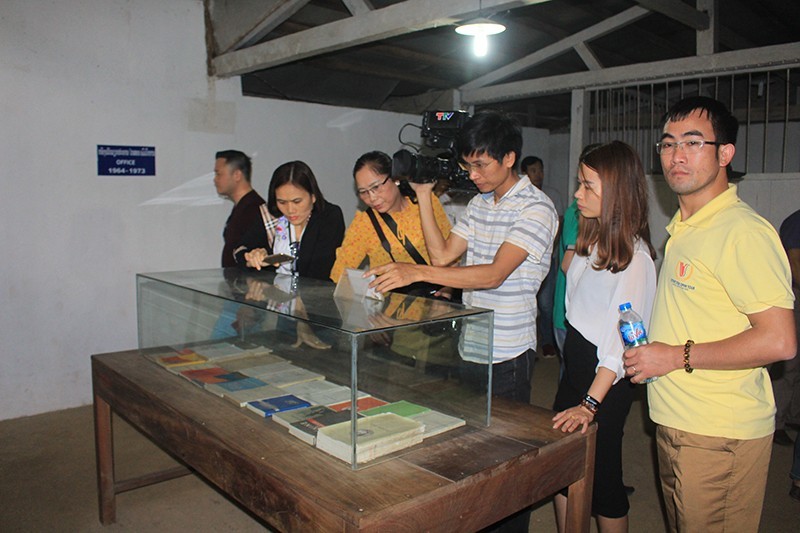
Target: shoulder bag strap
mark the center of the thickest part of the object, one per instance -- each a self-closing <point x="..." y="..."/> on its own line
<point x="269" y="224"/>
<point x="415" y="255"/>
<point x="380" y="233"/>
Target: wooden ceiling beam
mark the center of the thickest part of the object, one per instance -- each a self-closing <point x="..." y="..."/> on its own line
<point x="398" y="19"/>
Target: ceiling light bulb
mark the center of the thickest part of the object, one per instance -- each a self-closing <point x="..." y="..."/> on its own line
<point x="480" y="29"/>
<point x="480" y="45"/>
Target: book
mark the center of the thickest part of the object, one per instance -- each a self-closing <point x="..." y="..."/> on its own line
<point x="180" y="359"/>
<point x="245" y="390"/>
<point x="266" y="369"/>
<point x="246" y="362"/>
<point x="289" y="376"/>
<point x="269" y="406"/>
<point x="265" y="392"/>
<point x="321" y="392"/>
<point x="306" y="429"/>
<point x="203" y="373"/>
<point x="218" y="351"/>
<point x="367" y="402"/>
<point x="287" y="418"/>
<point x="376" y="436"/>
<point x="402" y="408"/>
<point x="335" y="397"/>
<point x="436" y="423"/>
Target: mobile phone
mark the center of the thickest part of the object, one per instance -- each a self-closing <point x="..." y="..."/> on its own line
<point x="277" y="258"/>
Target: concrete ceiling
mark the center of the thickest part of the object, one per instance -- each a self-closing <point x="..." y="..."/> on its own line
<point x="403" y="55"/>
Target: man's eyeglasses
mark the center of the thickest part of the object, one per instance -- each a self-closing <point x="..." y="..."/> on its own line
<point x="690" y="147"/>
<point x="369" y="191"/>
<point x="478" y="166"/>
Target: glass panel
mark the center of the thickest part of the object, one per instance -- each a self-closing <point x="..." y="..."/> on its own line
<point x="403" y="359"/>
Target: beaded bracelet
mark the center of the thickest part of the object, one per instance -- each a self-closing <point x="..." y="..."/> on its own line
<point x="591" y="404"/>
<point x="686" y="348"/>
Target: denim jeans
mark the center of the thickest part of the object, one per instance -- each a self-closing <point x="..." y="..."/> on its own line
<point x="510" y="379"/>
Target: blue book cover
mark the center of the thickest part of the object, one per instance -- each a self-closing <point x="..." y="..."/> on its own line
<point x="241" y="384"/>
<point x="275" y="405"/>
<point x="232" y="376"/>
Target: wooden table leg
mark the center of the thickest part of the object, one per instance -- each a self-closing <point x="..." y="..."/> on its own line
<point x="579" y="500"/>
<point x="104" y="450"/>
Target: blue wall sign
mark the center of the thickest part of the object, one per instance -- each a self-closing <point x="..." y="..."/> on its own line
<point x="126" y="160"/>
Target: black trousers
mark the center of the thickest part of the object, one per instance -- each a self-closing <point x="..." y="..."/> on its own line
<point x="580" y="361"/>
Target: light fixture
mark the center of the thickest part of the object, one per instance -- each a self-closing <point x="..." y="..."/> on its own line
<point x="480" y="29"/>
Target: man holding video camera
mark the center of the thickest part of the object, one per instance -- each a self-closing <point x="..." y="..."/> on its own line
<point x="507" y="234"/>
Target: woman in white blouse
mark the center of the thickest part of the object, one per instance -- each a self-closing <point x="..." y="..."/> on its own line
<point x="613" y="264"/>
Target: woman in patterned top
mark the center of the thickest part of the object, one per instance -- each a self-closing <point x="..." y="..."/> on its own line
<point x="392" y="208"/>
<point x="384" y="196"/>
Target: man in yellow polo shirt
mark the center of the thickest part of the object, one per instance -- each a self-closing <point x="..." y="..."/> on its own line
<point x="723" y="311"/>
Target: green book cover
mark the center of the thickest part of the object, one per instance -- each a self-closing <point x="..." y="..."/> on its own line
<point x="402" y="408"/>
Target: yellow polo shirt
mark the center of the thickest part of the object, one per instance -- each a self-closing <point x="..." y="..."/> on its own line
<point x="720" y="264"/>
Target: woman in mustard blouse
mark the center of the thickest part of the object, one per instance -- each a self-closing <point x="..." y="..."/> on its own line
<point x="393" y="203"/>
<point x="384" y="196"/>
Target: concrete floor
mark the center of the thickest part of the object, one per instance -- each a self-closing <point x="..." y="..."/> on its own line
<point x="47" y="479"/>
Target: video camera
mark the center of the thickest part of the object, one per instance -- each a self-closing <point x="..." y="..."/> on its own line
<point x="440" y="131"/>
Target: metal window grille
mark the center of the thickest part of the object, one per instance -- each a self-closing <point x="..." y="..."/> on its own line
<point x="766" y="103"/>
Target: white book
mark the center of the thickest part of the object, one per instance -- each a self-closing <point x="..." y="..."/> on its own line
<point x="218" y="351"/>
<point x="436" y="423"/>
<point x="249" y="361"/>
<point x="375" y="436"/>
<point x="321" y="392"/>
<point x="308" y="388"/>
<point x="267" y="369"/>
<point x="290" y="376"/>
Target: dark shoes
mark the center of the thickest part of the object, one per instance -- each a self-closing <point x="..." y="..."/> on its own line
<point x="794" y="492"/>
<point x="782" y="438"/>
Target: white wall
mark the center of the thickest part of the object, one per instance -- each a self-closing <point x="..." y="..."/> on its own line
<point x="86" y="72"/>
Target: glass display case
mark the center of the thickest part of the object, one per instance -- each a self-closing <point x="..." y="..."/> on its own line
<point x="358" y="378"/>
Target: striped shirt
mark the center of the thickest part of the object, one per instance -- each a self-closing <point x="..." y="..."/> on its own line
<point x="526" y="218"/>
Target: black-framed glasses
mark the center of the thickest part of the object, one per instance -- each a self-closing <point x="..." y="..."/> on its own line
<point x="690" y="147"/>
<point x="369" y="191"/>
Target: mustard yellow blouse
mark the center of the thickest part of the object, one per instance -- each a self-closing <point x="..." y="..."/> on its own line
<point x="361" y="241"/>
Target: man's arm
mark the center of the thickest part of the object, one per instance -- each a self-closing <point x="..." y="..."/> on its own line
<point x="488" y="276"/>
<point x="771" y="338"/>
<point x="441" y="251"/>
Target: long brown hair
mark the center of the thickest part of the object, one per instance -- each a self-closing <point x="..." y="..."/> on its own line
<point x="623" y="216"/>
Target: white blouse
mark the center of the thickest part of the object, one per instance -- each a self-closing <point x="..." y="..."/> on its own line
<point x="593" y="298"/>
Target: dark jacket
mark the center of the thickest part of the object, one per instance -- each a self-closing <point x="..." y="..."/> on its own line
<point x="321" y="238"/>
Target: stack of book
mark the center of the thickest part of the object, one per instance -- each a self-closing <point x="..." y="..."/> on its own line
<point x="305" y="423"/>
<point x="376" y="436"/>
<point x="314" y="410"/>
<point x="277" y="404"/>
<point x="434" y="421"/>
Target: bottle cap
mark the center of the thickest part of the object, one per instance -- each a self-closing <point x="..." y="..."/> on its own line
<point x="625" y="307"/>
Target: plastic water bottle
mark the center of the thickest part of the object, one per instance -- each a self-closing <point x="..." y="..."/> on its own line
<point x="631" y="328"/>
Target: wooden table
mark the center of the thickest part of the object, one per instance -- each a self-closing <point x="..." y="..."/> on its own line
<point x="460" y="481"/>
